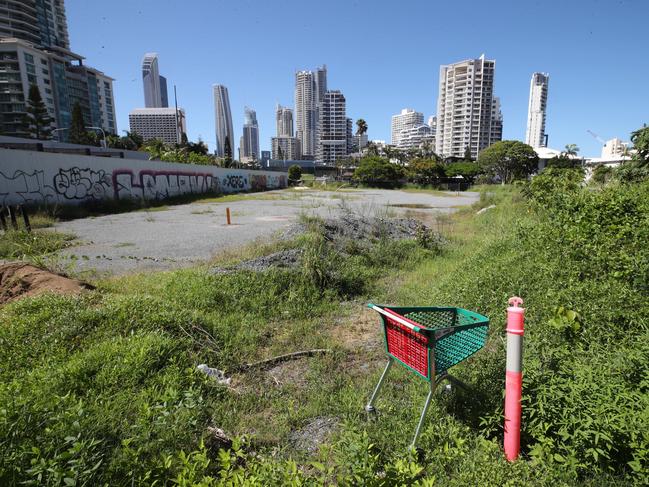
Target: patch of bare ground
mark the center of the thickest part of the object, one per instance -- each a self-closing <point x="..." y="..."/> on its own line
<point x="20" y="280"/>
<point x="360" y="331"/>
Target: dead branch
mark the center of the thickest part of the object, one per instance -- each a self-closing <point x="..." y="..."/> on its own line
<point x="262" y="364"/>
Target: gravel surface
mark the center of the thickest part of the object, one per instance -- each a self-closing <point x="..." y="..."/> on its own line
<point x="185" y="235"/>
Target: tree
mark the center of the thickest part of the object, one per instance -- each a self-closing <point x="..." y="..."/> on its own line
<point x="378" y="171"/>
<point x="467" y="154"/>
<point x="427" y="151"/>
<point x="571" y="150"/>
<point x="134" y="140"/>
<point x="294" y="173"/>
<point x="199" y="147"/>
<point x="468" y="170"/>
<point x="37" y="118"/>
<point x="562" y="161"/>
<point x="78" y="133"/>
<point x="425" y="171"/>
<point x="602" y="173"/>
<point x="640" y="140"/>
<point x="227" y="151"/>
<point x="361" y="126"/>
<point x="156" y="149"/>
<point x="372" y="149"/>
<point x="508" y="160"/>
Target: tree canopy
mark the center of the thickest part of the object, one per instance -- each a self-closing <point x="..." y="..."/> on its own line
<point x="508" y="160"/>
<point x="78" y="133"/>
<point x="361" y="126"/>
<point x="37" y="118"/>
<point x="562" y="161"/>
<point x="379" y="172"/>
<point x="467" y="169"/>
<point x="294" y="173"/>
<point x="640" y="139"/>
<point x="425" y="171"/>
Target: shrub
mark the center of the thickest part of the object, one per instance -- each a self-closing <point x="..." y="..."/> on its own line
<point x="294" y="173"/>
<point x="379" y="172"/>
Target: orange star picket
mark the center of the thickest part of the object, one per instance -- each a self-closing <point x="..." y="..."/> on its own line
<point x="428" y="341"/>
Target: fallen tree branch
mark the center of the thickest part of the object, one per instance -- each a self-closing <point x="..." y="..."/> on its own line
<point x="262" y="364"/>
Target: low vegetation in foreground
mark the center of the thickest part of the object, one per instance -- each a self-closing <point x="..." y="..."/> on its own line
<point x="102" y="389"/>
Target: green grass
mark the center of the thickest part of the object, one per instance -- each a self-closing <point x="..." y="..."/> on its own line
<point x="22" y="245"/>
<point x="102" y="388"/>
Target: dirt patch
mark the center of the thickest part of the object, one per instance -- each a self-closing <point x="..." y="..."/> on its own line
<point x="292" y="373"/>
<point x="360" y="332"/>
<point x="313" y="434"/>
<point x="19" y="280"/>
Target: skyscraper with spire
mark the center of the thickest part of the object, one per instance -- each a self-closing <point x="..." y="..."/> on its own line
<point x="223" y="121"/>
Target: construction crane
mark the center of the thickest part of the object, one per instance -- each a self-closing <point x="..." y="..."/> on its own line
<point x="597" y="137"/>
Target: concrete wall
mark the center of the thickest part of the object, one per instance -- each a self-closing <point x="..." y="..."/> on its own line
<point x="28" y="177"/>
<point x="55" y="145"/>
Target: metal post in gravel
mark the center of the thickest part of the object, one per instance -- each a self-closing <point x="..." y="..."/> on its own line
<point x="23" y="211"/>
<point x="227" y="215"/>
<point x="12" y="216"/>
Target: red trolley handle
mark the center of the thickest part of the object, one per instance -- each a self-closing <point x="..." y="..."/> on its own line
<point x="393" y="316"/>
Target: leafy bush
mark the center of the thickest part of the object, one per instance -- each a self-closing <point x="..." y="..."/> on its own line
<point x="379" y="172"/>
<point x="294" y="173"/>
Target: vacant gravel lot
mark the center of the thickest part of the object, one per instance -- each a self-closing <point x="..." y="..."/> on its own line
<point x="183" y="235"/>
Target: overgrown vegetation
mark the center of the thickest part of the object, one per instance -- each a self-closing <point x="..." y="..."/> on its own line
<point x="102" y="389"/>
<point x="22" y="245"/>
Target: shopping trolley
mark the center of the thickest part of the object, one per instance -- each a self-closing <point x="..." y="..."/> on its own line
<point x="428" y="341"/>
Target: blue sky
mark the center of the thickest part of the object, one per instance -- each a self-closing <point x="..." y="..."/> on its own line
<point x="383" y="55"/>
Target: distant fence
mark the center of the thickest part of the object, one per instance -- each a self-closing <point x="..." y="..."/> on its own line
<point x="34" y="178"/>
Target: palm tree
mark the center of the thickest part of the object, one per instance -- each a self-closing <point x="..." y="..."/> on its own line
<point x="361" y="126"/>
<point x="571" y="150"/>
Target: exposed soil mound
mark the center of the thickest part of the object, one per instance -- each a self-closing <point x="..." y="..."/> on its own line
<point x="18" y="280"/>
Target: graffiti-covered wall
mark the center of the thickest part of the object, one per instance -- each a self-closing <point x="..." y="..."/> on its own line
<point x="28" y="177"/>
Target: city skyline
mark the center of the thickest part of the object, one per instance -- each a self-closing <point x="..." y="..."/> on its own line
<point x="372" y="91"/>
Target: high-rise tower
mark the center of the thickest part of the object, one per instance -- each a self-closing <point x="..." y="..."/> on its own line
<point x="465" y="108"/>
<point x="151" y="81"/>
<point x="284" y="121"/>
<point x="39" y="22"/>
<point x="535" y="135"/>
<point x="223" y="121"/>
<point x="305" y="111"/>
<point x="407" y="119"/>
<point x="333" y="124"/>
<point x="250" y="138"/>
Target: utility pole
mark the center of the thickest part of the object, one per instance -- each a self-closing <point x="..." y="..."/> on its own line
<point x="178" y="130"/>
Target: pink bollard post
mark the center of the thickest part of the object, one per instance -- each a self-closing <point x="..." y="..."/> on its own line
<point x="514" y="377"/>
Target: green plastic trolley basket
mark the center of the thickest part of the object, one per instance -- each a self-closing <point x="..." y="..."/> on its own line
<point x="428" y="341"/>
